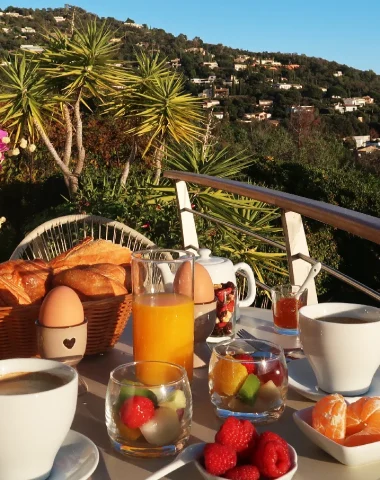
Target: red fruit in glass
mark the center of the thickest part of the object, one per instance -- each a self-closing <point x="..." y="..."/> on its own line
<point x="271" y="370"/>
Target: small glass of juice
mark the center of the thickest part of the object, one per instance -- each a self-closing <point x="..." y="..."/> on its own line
<point x="285" y="308"/>
<point x="163" y="309"/>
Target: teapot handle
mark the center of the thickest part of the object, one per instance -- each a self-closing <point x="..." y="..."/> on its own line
<point x="251" y="294"/>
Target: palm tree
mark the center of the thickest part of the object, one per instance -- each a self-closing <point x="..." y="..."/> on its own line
<point x="161" y="111"/>
<point x="70" y="73"/>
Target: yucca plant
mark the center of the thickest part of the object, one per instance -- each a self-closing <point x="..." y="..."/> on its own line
<point x="161" y="112"/>
<point x="71" y="72"/>
<point x="250" y="215"/>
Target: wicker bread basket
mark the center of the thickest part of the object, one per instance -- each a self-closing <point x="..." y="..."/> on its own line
<point x="106" y="318"/>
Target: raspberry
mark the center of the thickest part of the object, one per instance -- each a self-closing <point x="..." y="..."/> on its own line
<point x="272" y="459"/>
<point x="237" y="434"/>
<point x="266" y="437"/>
<point x="219" y="458"/>
<point x="251" y="367"/>
<point x="136" y="411"/>
<point x="244" y="472"/>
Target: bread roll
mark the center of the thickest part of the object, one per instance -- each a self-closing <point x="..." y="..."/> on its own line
<point x="88" y="283"/>
<point x="91" y="252"/>
<point x="114" y="272"/>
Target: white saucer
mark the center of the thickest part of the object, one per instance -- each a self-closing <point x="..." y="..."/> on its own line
<point x="302" y="379"/>
<point x="77" y="458"/>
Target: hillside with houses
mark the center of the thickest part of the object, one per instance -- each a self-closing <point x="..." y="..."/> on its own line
<point x="235" y="85"/>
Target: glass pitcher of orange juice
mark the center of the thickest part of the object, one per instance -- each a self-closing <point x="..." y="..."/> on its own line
<point x="163" y="309"/>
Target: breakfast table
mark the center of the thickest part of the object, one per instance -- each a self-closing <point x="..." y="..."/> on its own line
<point x="314" y="464"/>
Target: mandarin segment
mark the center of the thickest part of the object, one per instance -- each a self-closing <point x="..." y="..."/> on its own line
<point x="228" y="376"/>
<point x="367" y="435"/>
<point x="354" y="421"/>
<point x="329" y="417"/>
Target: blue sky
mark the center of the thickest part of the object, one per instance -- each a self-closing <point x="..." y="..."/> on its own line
<point x="340" y="30"/>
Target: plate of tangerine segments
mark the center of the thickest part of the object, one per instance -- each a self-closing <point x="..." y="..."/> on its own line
<point x="349" y="432"/>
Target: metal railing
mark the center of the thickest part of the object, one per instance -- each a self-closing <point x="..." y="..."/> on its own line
<point x="292" y="206"/>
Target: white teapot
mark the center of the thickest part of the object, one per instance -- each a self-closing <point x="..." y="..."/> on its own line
<point x="222" y="270"/>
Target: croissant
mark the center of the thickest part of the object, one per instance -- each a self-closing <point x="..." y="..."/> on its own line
<point x="24" y="281"/>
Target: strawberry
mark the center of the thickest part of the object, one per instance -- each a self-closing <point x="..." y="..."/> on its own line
<point x="136" y="411"/>
<point x="219" y="458"/>
<point x="251" y="367"/>
<point x="243" y="472"/>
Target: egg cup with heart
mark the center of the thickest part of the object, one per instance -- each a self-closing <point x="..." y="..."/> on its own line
<point x="61" y="329"/>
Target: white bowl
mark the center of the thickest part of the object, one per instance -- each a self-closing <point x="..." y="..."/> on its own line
<point x="287" y="476"/>
<point x="351" y="456"/>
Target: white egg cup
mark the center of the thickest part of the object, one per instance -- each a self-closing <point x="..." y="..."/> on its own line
<point x="63" y="344"/>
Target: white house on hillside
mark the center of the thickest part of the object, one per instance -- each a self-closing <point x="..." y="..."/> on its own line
<point x="240" y="66"/>
<point x="360" y="102"/>
<point x="287" y="86"/>
<point x="133" y="25"/>
<point x="361" y="140"/>
<point x="59" y="19"/>
<point x="345" y="108"/>
<point x="28" y="30"/>
<point x="211" y="65"/>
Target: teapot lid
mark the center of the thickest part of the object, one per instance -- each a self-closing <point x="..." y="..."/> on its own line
<point x="205" y="258"/>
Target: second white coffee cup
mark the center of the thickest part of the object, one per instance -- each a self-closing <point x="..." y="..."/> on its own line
<point x="342" y="343"/>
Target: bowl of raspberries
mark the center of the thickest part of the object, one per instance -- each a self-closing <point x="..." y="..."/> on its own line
<point x="241" y="453"/>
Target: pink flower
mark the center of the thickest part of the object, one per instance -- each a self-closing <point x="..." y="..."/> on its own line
<point x="3" y="134"/>
<point x="3" y="146"/>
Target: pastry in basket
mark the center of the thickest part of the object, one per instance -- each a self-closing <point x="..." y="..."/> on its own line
<point x="91" y="252"/>
<point x="24" y="282"/>
<point x="90" y="282"/>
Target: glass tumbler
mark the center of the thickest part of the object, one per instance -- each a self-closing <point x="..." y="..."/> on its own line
<point x="248" y="379"/>
<point x="148" y="419"/>
<point x="163" y="308"/>
<point x="286" y="307"/>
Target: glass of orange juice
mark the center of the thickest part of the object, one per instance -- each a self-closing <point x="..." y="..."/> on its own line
<point x="163" y="310"/>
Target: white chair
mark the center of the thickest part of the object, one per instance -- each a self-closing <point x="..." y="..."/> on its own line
<point x="60" y="234"/>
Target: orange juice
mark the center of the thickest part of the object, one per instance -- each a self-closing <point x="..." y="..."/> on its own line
<point x="163" y="329"/>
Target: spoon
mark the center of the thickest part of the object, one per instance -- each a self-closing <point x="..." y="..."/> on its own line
<point x="313" y="273"/>
<point x="189" y="454"/>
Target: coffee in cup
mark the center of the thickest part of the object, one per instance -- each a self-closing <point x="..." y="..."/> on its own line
<point x="341" y="342"/>
<point x="37" y="403"/>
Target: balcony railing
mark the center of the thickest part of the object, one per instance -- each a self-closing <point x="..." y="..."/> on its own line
<point x="292" y="208"/>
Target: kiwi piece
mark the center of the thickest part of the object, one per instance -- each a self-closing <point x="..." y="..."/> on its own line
<point x="130" y="390"/>
<point x="249" y="390"/>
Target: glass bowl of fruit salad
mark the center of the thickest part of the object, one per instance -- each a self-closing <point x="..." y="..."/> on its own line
<point x="148" y="408"/>
<point x="248" y="379"/>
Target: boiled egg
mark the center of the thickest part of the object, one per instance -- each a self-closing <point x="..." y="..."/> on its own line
<point x="203" y="286"/>
<point x="61" y="308"/>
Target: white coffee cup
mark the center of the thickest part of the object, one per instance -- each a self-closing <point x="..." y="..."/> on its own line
<point x="343" y="356"/>
<point x="33" y="426"/>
